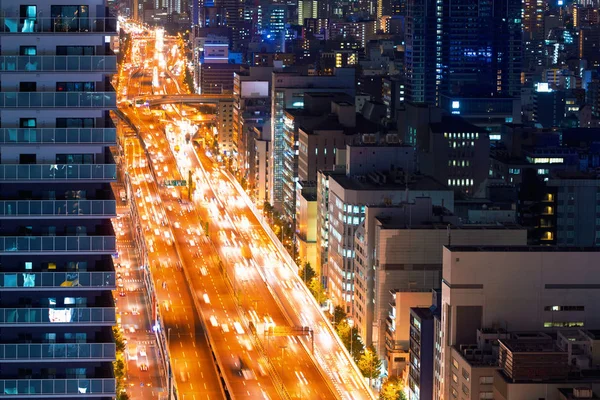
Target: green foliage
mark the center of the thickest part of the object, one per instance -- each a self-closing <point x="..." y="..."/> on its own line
<point x="392" y="389"/>
<point x="369" y="363"/>
<point x="307" y="273"/>
<point x="317" y="290"/>
<point x="188" y="79"/>
<point x="339" y="315"/>
<point x="123" y="396"/>
<point x="119" y="340"/>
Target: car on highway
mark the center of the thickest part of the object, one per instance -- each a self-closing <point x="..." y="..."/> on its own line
<point x="225" y="328"/>
<point x="144" y="367"/>
<point x="213" y="321"/>
<point x="142" y="350"/>
<point x="206" y="299"/>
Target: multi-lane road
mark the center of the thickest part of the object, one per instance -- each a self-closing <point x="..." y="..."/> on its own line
<point x="230" y="288"/>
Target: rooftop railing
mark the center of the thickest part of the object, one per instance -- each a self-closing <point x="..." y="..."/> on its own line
<point x="36" y="172"/>
<point x="16" y="24"/>
<point x="58" y="135"/>
<point x="18" y="352"/>
<point x="58" y="100"/>
<point x="52" y="63"/>
<point x="55" y="208"/>
<point x="31" y="388"/>
<point x="72" y="280"/>
<point x="60" y="316"/>
<point x="57" y="244"/>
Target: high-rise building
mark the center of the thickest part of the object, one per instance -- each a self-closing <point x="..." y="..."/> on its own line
<point x="514" y="289"/>
<point x="287" y="91"/>
<point x="469" y="46"/>
<point x="251" y="108"/>
<point x="56" y="306"/>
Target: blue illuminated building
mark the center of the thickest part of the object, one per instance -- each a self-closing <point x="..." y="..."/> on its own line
<point x="465" y="47"/>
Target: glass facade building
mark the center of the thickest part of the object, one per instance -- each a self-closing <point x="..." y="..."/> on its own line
<point x="56" y="238"/>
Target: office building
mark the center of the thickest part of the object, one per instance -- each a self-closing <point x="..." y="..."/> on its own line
<point x="572" y="211"/>
<point x="459" y="47"/>
<point x="422" y="329"/>
<point x="348" y="198"/>
<point x="259" y="183"/>
<point x="455" y="152"/>
<point x="486" y="112"/>
<point x="549" y="290"/>
<point x="251" y="109"/>
<point x="399" y="249"/>
<point x="287" y="92"/>
<point x="56" y="305"/>
<point x="307" y="9"/>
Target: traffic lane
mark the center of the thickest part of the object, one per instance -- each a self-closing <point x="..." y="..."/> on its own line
<point x="152" y="377"/>
<point x="316" y="376"/>
<point x="229" y="346"/>
<point x="224" y="310"/>
<point x="301" y="361"/>
<point x="214" y="390"/>
<point x="342" y="368"/>
<point x="184" y="330"/>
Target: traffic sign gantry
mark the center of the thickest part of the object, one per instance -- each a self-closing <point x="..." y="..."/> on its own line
<point x="175" y="183"/>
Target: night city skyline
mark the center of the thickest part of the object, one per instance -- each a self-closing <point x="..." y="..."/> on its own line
<point x="300" y="199"/>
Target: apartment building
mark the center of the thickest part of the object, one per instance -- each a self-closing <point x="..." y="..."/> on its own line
<point x="287" y="92"/>
<point x="551" y="289"/>
<point x="56" y="306"/>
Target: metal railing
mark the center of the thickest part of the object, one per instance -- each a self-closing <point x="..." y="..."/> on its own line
<point x="52" y="244"/>
<point x="21" y="208"/>
<point x="58" y="135"/>
<point x="16" y="24"/>
<point x="22" y="388"/>
<point x="66" y="315"/>
<point x="56" y="351"/>
<point x="58" y="99"/>
<point x="51" y="63"/>
<point x="32" y="280"/>
<point x="34" y="172"/>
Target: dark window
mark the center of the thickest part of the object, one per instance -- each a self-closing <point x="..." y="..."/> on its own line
<point x="75" y="86"/>
<point x="28" y="50"/>
<point x="74" y="122"/>
<point x="27" y="86"/>
<point x="74" y="158"/>
<point x="27" y="158"/>
<point x="75" y="50"/>
<point x="27" y="123"/>
<point x="70" y="18"/>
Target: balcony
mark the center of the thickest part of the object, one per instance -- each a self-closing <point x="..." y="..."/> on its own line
<point x="55" y="63"/>
<point x="16" y="24"/>
<point x="57" y="244"/>
<point x="57" y="172"/>
<point x="58" y="100"/>
<point x="69" y="316"/>
<point x="59" y="135"/>
<point x="20" y="281"/>
<point x="57" y="208"/>
<point x="57" y="352"/>
<point x="58" y="388"/>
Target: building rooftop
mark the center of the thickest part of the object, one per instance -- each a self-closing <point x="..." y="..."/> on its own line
<point x="425" y="313"/>
<point x="533" y="249"/>
<point x="389" y="223"/>
<point x="454" y="124"/>
<point x="570" y="393"/>
<point x="422" y="182"/>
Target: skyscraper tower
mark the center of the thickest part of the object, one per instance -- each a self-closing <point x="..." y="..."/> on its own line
<point x="462" y="46"/>
<point x="56" y="238"/>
